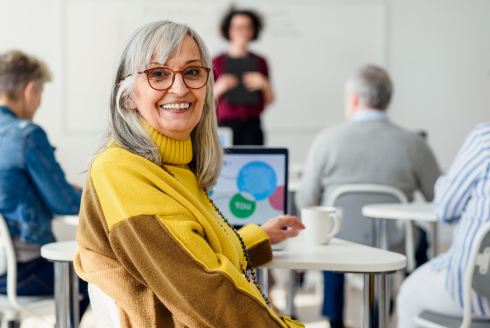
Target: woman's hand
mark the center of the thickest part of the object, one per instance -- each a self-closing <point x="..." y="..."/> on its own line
<point x="225" y="83"/>
<point x="274" y="228"/>
<point x="254" y="81"/>
<point x="257" y="81"/>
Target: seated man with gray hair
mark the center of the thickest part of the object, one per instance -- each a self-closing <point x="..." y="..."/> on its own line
<point x="366" y="149"/>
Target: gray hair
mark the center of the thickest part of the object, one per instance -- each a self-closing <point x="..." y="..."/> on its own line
<point x="17" y="69"/>
<point x="372" y="85"/>
<point x="125" y="127"/>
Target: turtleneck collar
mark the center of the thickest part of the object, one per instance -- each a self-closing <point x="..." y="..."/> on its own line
<point x="172" y="151"/>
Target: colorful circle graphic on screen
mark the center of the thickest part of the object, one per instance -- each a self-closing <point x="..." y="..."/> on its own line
<point x="277" y="199"/>
<point x="258" y="179"/>
<point x="242" y="206"/>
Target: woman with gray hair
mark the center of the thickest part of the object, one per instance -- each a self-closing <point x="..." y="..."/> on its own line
<point x="150" y="236"/>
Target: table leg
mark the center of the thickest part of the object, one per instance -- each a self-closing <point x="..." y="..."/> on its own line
<point x="264" y="281"/>
<point x="369" y="304"/>
<point x="383" y="299"/>
<point x="376" y="233"/>
<point x="62" y="293"/>
<point x="75" y="296"/>
<point x="290" y="288"/>
<point x="433" y="249"/>
<point x="382" y="233"/>
<point x="385" y="234"/>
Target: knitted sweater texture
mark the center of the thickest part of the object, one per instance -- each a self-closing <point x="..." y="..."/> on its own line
<point x="156" y="245"/>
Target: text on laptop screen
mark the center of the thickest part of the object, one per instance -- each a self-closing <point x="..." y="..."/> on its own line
<point x="251" y="188"/>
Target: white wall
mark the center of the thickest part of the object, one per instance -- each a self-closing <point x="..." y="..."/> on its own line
<point x="439" y="59"/>
<point x="437" y="51"/>
<point x="440" y="62"/>
<point x="438" y="55"/>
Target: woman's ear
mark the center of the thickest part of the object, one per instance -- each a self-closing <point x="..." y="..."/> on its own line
<point x="130" y="103"/>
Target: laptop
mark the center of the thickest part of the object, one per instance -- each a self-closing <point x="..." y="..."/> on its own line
<point x="253" y="184"/>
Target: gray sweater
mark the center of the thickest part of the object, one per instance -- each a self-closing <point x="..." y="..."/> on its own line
<point x="375" y="152"/>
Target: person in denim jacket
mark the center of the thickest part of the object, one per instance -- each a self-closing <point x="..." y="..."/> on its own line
<point x="32" y="184"/>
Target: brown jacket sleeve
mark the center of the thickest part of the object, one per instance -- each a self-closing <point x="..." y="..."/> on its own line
<point x="196" y="297"/>
<point x="258" y="244"/>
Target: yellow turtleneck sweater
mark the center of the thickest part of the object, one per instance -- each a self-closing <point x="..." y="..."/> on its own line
<point x="155" y="244"/>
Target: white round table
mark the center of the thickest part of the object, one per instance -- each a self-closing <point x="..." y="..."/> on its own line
<point x="406" y="212"/>
<point x="62" y="254"/>
<point x="344" y="256"/>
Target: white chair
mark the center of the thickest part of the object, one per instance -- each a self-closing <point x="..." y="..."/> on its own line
<point x="355" y="227"/>
<point x="13" y="307"/>
<point x="478" y="280"/>
<point x="104" y="308"/>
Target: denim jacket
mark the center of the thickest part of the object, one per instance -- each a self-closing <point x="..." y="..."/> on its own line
<point x="32" y="184"/>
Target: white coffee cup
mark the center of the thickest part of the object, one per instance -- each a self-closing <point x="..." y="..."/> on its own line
<point x="321" y="224"/>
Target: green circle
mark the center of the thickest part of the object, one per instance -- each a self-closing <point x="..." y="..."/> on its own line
<point x="241" y="207"/>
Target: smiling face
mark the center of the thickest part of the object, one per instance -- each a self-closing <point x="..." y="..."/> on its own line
<point x="176" y="111"/>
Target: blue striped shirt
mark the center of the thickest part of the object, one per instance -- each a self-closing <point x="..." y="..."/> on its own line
<point x="462" y="196"/>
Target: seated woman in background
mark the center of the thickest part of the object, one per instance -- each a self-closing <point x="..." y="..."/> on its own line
<point x="150" y="236"/>
<point x="32" y="184"/>
<point x="462" y="197"/>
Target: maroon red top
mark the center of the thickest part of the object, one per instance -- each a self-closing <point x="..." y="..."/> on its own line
<point x="226" y="111"/>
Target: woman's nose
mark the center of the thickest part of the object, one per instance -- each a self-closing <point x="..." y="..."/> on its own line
<point x="178" y="87"/>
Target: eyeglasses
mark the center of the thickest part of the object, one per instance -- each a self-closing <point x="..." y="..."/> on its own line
<point x="161" y="78"/>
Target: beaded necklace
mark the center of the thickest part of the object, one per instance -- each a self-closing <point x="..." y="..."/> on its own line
<point x="245" y="252"/>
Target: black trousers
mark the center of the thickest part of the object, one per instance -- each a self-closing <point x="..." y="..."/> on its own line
<point x="245" y="133"/>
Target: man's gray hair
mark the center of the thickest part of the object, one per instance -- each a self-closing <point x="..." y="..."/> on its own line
<point x="372" y="86"/>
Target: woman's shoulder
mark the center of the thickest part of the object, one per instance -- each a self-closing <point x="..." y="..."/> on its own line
<point x="115" y="157"/>
<point x="220" y="58"/>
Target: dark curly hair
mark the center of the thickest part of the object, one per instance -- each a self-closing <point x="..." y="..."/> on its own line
<point x="254" y="16"/>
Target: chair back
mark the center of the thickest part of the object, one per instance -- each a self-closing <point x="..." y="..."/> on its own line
<point x="481" y="274"/>
<point x="104" y="308"/>
<point x="349" y="200"/>
<point x="11" y="263"/>
<point x="3" y="253"/>
<point x="477" y="274"/>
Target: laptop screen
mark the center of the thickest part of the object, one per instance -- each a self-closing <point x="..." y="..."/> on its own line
<point x="252" y="187"/>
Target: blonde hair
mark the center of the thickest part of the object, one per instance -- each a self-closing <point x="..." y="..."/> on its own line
<point x="125" y="129"/>
<point x="17" y="69"/>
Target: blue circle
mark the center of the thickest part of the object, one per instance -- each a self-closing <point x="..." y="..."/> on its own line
<point x="258" y="179"/>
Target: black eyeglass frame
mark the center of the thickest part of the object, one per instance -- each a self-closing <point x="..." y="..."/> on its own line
<point x="148" y="72"/>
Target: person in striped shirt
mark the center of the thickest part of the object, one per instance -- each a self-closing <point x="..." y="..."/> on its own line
<point x="462" y="197"/>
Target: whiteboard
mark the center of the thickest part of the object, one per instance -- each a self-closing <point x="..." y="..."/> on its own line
<point x="311" y="47"/>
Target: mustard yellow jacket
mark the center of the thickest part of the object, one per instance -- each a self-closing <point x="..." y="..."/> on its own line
<point x="155" y="245"/>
